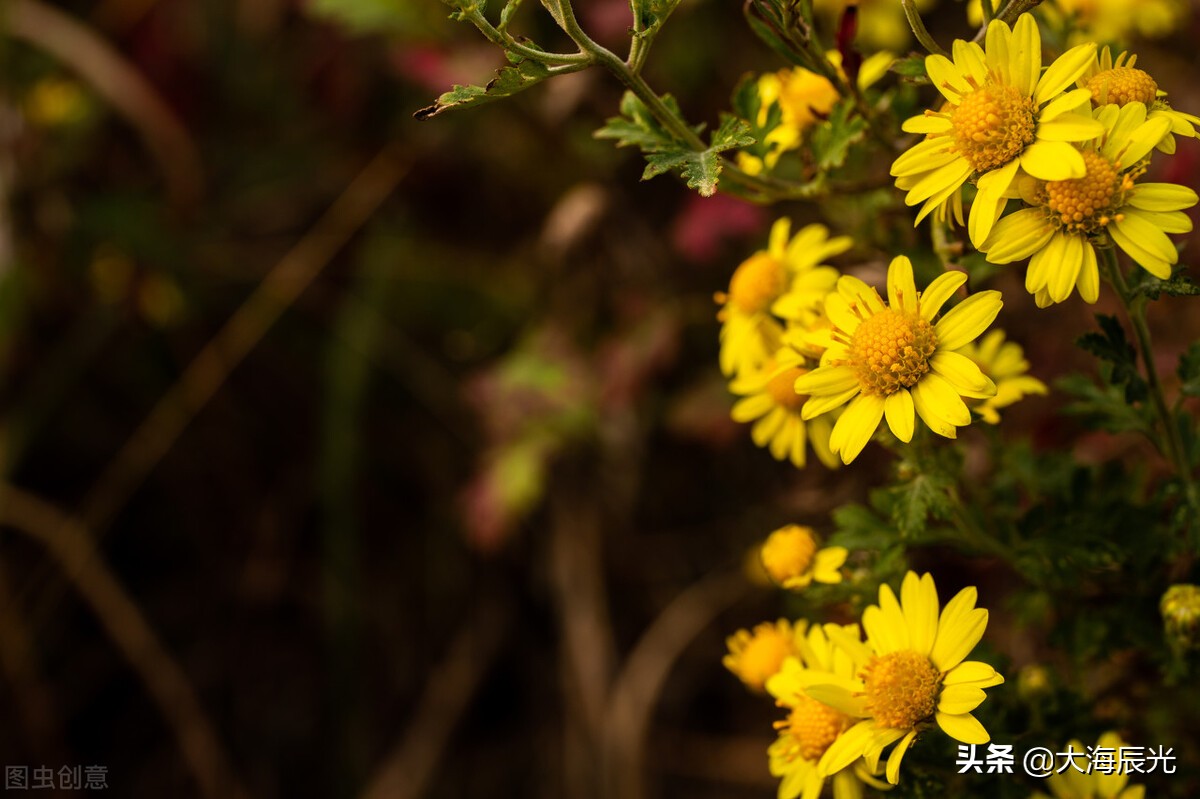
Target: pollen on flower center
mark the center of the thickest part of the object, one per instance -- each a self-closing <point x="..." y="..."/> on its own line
<point x="1121" y="85"/>
<point x="901" y="688"/>
<point x="782" y="389"/>
<point x="756" y="283"/>
<point x="890" y="351"/>
<point x="1084" y="205"/>
<point x="813" y="726"/>
<point x="992" y="125"/>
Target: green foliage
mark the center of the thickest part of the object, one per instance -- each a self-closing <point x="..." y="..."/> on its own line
<point x="831" y="140"/>
<point x="1110" y="345"/>
<point x="1102" y="407"/>
<point x="637" y="127"/>
<point x="509" y="80"/>
<point x="1189" y="370"/>
<point x="1144" y="284"/>
<point x="371" y="16"/>
<point x="649" y="15"/>
<point x="747" y="104"/>
<point x="912" y="68"/>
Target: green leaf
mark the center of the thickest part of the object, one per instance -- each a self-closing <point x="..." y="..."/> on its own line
<point x="506" y="13"/>
<point x="1178" y="285"/>
<point x="649" y="15"/>
<point x="1189" y="370"/>
<point x="664" y="153"/>
<point x="747" y="104"/>
<point x="508" y="81"/>
<point x="919" y="499"/>
<point x="831" y="140"/>
<point x="912" y="67"/>
<point x="1111" y="345"/>
<point x="1102" y="407"/>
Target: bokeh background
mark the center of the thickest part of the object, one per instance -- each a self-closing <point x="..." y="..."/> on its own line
<point x="349" y="455"/>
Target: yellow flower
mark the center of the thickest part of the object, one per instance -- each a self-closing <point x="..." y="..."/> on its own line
<point x="769" y="399"/>
<point x="1000" y="115"/>
<point x="1119" y="82"/>
<point x="1074" y="784"/>
<point x="911" y="672"/>
<point x="891" y="359"/>
<point x="1069" y="218"/>
<point x="749" y="334"/>
<point x="1180" y="607"/>
<point x="1004" y="362"/>
<point x="756" y="655"/>
<point x="793" y="558"/>
<point x="811" y="727"/>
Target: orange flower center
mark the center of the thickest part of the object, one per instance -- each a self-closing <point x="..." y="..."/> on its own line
<point x="1122" y="85"/>
<point x="782" y="389"/>
<point x="902" y="688"/>
<point x="1086" y="204"/>
<point x="763" y="656"/>
<point x="756" y="283"/>
<point x="788" y="552"/>
<point x="813" y="727"/>
<point x="890" y="351"/>
<point x="992" y="125"/>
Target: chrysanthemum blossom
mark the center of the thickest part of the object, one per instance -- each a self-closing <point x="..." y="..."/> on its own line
<point x="794" y="558"/>
<point x="1004" y="362"/>
<point x="1106" y="205"/>
<point x="755" y="655"/>
<point x="1119" y="82"/>
<point x="897" y="360"/>
<point x="1001" y="114"/>
<point x="811" y="727"/>
<point x="770" y="402"/>
<point x="911" y="673"/>
<point x="749" y="333"/>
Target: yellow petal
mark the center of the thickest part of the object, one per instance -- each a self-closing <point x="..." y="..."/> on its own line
<point x="957" y="638"/>
<point x="924" y="156"/>
<point x="1078" y="101"/>
<point x="1018" y="235"/>
<point x="990" y="201"/>
<point x="1089" y="275"/>
<point x="957" y="699"/>
<point x="901" y="417"/>
<point x="964" y="727"/>
<point x="827" y="380"/>
<point x="940" y="406"/>
<point x="971" y="671"/>
<point x="1145" y="244"/>
<point x="897" y="755"/>
<point x="970" y="59"/>
<point x="919" y="599"/>
<point x="967" y="320"/>
<point x="926" y="123"/>
<point x="819" y="405"/>
<point x="1162" y="197"/>
<point x="962" y="373"/>
<point x="1062" y="276"/>
<point x="901" y="288"/>
<point x="1064" y="71"/>
<point x="856" y="426"/>
<point x="838" y="309"/>
<point x="946" y="77"/>
<point x="941" y="289"/>
<point x="1053" y="160"/>
<point x="937" y="181"/>
<point x="848" y="747"/>
<point x="996" y="44"/>
<point x="1071" y="127"/>
<point x="1025" y="54"/>
<point x="859" y="293"/>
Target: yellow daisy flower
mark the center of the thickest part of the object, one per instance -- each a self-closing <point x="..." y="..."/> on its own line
<point x="756" y="655"/>
<point x="891" y="358"/>
<point x="1004" y="362"/>
<point x="769" y="399"/>
<point x="812" y="727"/>
<point x="1074" y="784"/>
<point x="1000" y="115"/>
<point x="1070" y="217"/>
<point x="1119" y="82"/>
<point x="912" y="672"/>
<point x="794" y="559"/>
<point x="749" y="334"/>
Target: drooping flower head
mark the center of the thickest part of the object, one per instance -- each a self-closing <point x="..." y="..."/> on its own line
<point x="1004" y="362"/>
<point x="1119" y="82"/>
<point x="897" y="359"/>
<point x="769" y="400"/>
<point x="812" y="727"/>
<point x="1000" y="115"/>
<point x="910" y="674"/>
<point x="749" y="333"/>
<point x="756" y="655"/>
<point x="794" y="558"/>
<point x="1070" y="218"/>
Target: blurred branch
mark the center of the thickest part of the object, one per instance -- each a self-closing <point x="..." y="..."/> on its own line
<point x="635" y="694"/>
<point x="121" y="84"/>
<point x="406" y="770"/>
<point x="919" y="30"/>
<point x="212" y="365"/>
<point x="71" y="545"/>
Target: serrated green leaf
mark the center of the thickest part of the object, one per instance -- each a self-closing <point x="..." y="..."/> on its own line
<point x="911" y="67"/>
<point x="508" y="81"/>
<point x="649" y="15"/>
<point x="1111" y="345"/>
<point x="1178" y="285"/>
<point x="731" y="133"/>
<point x="830" y="141"/>
<point x="1102" y="407"/>
<point x="506" y="13"/>
<point x="918" y="500"/>
<point x="747" y="104"/>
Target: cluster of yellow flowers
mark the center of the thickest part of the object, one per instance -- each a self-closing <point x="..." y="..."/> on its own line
<point x="850" y="698"/>
<point x="800" y="341"/>
<point x="1069" y="142"/>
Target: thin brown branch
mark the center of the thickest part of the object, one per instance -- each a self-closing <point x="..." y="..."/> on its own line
<point x="121" y="84"/>
<point x="70" y="544"/>
<point x="213" y="364"/>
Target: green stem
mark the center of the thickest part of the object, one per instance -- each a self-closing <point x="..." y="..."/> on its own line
<point x="989" y="11"/>
<point x="919" y="30"/>
<point x="1171" y="444"/>
<point x="503" y="39"/>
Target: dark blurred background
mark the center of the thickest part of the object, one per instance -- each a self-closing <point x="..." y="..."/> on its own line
<point x="346" y="455"/>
